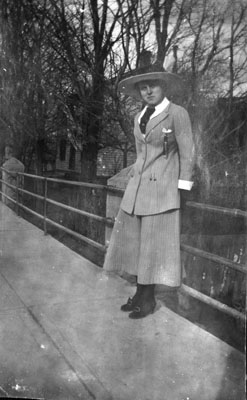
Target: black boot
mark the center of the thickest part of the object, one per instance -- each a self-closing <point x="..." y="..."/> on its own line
<point x="132" y="302"/>
<point x="146" y="304"/>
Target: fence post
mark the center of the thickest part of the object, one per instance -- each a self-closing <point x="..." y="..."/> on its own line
<point x="45" y="206"/>
<point x="114" y="198"/>
<point x="17" y="194"/>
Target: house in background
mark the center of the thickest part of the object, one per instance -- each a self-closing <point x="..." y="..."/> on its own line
<point x="68" y="156"/>
<point x="110" y="160"/>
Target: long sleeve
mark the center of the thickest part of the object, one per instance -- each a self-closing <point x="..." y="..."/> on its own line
<point x="184" y="138"/>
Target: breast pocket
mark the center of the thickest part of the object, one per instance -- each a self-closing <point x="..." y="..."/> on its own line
<point x="168" y="140"/>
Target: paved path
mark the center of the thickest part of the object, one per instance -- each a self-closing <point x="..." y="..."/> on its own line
<point x="63" y="336"/>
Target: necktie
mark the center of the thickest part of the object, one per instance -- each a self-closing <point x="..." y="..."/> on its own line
<point x="145" y="118"/>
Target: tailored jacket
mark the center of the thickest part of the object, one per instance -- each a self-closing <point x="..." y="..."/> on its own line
<point x="164" y="155"/>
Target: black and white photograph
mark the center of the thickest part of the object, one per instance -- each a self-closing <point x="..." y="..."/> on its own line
<point x="123" y="199"/>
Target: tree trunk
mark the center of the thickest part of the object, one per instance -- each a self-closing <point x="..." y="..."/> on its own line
<point x="89" y="163"/>
<point x="95" y="112"/>
<point x="125" y="156"/>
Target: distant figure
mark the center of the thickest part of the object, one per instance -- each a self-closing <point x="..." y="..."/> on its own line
<point x="11" y="166"/>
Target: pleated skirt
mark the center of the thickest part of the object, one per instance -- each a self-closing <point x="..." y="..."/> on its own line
<point x="146" y="246"/>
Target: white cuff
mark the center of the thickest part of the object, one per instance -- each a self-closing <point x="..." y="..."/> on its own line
<point x="186" y="185"/>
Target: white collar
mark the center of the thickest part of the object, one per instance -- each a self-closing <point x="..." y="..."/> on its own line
<point x="158" y="109"/>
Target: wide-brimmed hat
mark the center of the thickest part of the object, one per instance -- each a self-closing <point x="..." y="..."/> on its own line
<point x="128" y="86"/>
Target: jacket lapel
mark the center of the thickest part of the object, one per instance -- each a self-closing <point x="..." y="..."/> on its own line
<point x="138" y="130"/>
<point x="152" y="123"/>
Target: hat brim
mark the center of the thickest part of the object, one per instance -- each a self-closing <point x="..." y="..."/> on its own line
<point x="128" y="85"/>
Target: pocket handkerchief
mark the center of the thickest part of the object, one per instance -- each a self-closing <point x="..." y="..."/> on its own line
<point x="164" y="130"/>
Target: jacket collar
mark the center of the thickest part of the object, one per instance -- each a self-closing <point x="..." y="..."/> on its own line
<point x="154" y="121"/>
<point x="158" y="109"/>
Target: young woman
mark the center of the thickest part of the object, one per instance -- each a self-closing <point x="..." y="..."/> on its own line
<point x="145" y="241"/>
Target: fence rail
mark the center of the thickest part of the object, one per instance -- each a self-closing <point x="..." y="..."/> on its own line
<point x="213" y="257"/>
<point x="234" y="212"/>
<point x="109" y="221"/>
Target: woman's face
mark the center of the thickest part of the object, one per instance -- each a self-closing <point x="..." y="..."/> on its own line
<point x="152" y="92"/>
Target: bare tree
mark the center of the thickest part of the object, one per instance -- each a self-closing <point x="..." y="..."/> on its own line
<point x="24" y="100"/>
<point x="60" y="73"/>
<point x="81" y="35"/>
